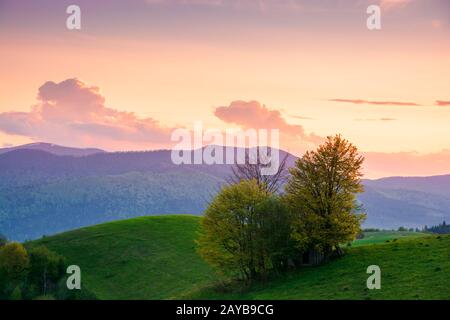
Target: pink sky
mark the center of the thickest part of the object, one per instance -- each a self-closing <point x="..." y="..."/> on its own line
<point x="139" y="69"/>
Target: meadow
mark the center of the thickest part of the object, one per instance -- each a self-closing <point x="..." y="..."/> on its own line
<point x="155" y="258"/>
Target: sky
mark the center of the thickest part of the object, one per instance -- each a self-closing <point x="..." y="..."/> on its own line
<point x="137" y="70"/>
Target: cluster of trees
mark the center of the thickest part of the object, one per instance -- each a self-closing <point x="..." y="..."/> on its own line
<point x="408" y="229"/>
<point x="28" y="274"/>
<point x="441" y="228"/>
<point x="252" y="228"/>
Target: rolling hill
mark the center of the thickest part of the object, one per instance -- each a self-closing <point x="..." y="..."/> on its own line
<point x="155" y="258"/>
<point x="140" y="258"/>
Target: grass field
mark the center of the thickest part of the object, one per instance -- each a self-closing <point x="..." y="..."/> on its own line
<point x="411" y="268"/>
<point x="141" y="258"/>
<point x="155" y="258"/>
<point x="385" y="237"/>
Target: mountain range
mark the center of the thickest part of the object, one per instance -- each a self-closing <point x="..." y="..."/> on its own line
<point x="54" y="149"/>
<point x="45" y="189"/>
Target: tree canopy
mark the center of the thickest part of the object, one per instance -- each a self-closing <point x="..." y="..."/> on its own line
<point x="321" y="193"/>
<point x="245" y="231"/>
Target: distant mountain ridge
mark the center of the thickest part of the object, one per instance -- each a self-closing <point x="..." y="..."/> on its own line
<point x="44" y="193"/>
<point x="54" y="149"/>
<point x="435" y="184"/>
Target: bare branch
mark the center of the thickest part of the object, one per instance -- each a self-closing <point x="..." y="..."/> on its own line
<point x="251" y="169"/>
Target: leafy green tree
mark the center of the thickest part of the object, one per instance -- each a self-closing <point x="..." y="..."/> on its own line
<point x="14" y="261"/>
<point x="321" y="193"/>
<point x="46" y="268"/>
<point x="14" y="265"/>
<point x="273" y="230"/>
<point x="245" y="231"/>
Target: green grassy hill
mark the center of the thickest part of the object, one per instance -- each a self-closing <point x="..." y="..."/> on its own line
<point x="385" y="237"/>
<point x="141" y="258"/>
<point x="155" y="258"/>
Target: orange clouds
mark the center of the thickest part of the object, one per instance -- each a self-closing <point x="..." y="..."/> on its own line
<point x="392" y="103"/>
<point x="252" y="114"/>
<point x="72" y="113"/>
<point x="442" y="103"/>
<point x="75" y="114"/>
<point x="376" y="119"/>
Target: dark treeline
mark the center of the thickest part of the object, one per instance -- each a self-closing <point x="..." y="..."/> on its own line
<point x="441" y="228"/>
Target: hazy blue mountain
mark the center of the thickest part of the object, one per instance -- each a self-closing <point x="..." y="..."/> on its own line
<point x="54" y="149"/>
<point x="44" y="193"/>
<point x="435" y="184"/>
<point x="392" y="208"/>
<point x="407" y="201"/>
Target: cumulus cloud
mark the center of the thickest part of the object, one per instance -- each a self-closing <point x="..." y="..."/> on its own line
<point x="442" y="103"/>
<point x="254" y="115"/>
<point x="360" y="101"/>
<point x="73" y="113"/>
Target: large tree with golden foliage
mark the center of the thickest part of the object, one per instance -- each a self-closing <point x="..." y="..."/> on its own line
<point x="321" y="193"/>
